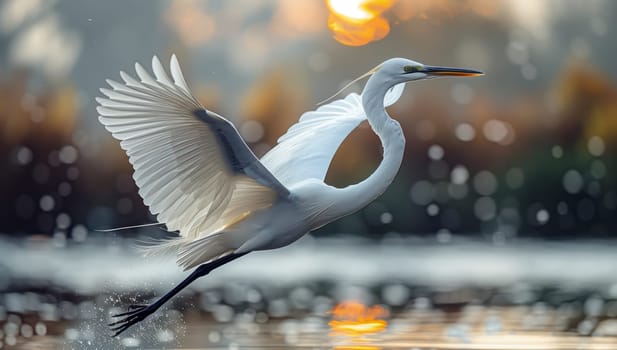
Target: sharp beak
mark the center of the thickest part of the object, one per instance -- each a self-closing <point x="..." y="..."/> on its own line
<point x="447" y="71"/>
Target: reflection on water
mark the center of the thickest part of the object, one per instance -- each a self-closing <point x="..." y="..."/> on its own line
<point x="466" y="295"/>
<point x="356" y="319"/>
<point x="473" y="327"/>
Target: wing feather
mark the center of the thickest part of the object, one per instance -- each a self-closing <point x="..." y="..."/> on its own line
<point x="182" y="154"/>
<point x="177" y="75"/>
<point x="308" y="147"/>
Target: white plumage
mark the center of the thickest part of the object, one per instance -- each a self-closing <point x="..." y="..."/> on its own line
<point x="308" y="147"/>
<point x="182" y="171"/>
<point x="197" y="175"/>
<point x="179" y="166"/>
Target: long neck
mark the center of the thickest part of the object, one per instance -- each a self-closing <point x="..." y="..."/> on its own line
<point x="354" y="197"/>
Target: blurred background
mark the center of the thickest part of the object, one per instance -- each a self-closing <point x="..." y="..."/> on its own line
<point x="508" y="178"/>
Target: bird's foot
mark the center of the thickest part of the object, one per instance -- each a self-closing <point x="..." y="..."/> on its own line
<point x="136" y="313"/>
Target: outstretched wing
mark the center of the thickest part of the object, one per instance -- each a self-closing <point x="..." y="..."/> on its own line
<point x="308" y="147"/>
<point x="193" y="170"/>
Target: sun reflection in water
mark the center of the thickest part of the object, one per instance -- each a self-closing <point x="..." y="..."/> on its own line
<point x="354" y="318"/>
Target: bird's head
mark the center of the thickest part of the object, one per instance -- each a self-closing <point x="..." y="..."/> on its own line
<point x="401" y="70"/>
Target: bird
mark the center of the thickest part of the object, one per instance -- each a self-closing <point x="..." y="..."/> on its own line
<point x="200" y="179"/>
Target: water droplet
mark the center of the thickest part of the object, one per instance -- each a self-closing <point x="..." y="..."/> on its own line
<point x="23" y="155"/>
<point x="422" y="192"/>
<point x="68" y="154"/>
<point x="26" y="330"/>
<point x="573" y="181"/>
<point x="130" y="342"/>
<point x="47" y="203"/>
<point x="485" y="208"/>
<point x="64" y="189"/>
<point x="444" y="236"/>
<point x="71" y="334"/>
<point x="10" y="340"/>
<point x="301" y="298"/>
<point x="253" y="295"/>
<point x="395" y="294"/>
<point x="499" y="238"/>
<point x="386" y="218"/>
<point x="459" y="332"/>
<point x="542" y="216"/>
<point x="432" y="209"/>
<point x="557" y="151"/>
<point x="492" y="324"/>
<point x="14" y="320"/>
<point x="436" y="152"/>
<point x="223" y="313"/>
<point x="79" y="233"/>
<point x="562" y="208"/>
<point x="485" y="183"/>
<point x="596" y="146"/>
<point x="165" y="335"/>
<point x="586" y="326"/>
<point x="10" y="329"/>
<point x="465" y="132"/>
<point x="59" y="239"/>
<point x="459" y="175"/>
<point x="214" y="337"/>
<point x="40" y="328"/>
<point x="594" y="306"/>
<point x="63" y="221"/>
<point x="497" y="131"/>
<point x="278" y="308"/>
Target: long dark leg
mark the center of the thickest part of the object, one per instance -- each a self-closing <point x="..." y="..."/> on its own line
<point x="137" y="313"/>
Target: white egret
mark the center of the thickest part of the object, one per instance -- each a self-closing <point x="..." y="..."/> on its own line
<point x="197" y="175"/>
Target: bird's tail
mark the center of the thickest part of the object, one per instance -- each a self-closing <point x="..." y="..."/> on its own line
<point x="189" y="252"/>
<point x="203" y="250"/>
<point x="161" y="247"/>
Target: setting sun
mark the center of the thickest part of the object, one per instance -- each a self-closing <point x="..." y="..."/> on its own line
<point x="358" y="10"/>
<point x="358" y="22"/>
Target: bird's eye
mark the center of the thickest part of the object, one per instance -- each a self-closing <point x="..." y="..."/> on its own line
<point x="412" y="69"/>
